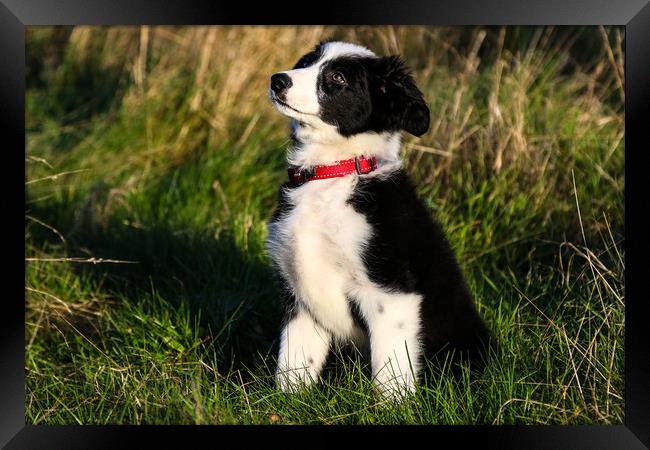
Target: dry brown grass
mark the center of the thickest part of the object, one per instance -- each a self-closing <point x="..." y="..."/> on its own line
<point x="230" y="65"/>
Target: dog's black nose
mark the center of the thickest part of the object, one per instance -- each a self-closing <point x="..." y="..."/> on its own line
<point x="280" y="82"/>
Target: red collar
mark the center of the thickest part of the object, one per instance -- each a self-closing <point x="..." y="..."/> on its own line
<point x="360" y="165"/>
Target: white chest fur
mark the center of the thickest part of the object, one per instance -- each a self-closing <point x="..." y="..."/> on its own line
<point x="318" y="246"/>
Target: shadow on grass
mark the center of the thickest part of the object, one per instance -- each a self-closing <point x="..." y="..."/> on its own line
<point x="229" y="293"/>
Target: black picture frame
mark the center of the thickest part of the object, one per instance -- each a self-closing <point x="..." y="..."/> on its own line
<point x="15" y="15"/>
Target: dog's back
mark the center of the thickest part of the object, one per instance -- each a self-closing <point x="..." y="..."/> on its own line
<point x="409" y="253"/>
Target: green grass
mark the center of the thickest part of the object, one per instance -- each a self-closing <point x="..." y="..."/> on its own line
<point x="176" y="318"/>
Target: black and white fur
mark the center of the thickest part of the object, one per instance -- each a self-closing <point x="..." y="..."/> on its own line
<point x="359" y="258"/>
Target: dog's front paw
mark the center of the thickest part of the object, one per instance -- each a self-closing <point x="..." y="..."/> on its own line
<point x="292" y="380"/>
<point x="395" y="388"/>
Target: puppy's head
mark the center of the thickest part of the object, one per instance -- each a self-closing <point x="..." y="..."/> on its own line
<point x="348" y="89"/>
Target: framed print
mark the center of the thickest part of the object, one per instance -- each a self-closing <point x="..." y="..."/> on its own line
<point x="389" y="218"/>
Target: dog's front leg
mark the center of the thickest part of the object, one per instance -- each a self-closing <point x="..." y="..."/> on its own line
<point x="394" y="326"/>
<point x="303" y="349"/>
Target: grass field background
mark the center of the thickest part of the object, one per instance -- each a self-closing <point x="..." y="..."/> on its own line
<point x="152" y="165"/>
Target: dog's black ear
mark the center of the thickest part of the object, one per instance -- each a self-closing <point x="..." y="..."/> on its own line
<point x="400" y="93"/>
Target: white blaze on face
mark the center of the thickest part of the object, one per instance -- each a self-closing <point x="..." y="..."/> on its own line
<point x="303" y="93"/>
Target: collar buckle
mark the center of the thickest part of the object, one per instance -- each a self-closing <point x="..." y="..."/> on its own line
<point x="308" y="173"/>
<point x="357" y="165"/>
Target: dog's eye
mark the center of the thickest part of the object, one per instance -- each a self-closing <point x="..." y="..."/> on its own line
<point x="337" y="77"/>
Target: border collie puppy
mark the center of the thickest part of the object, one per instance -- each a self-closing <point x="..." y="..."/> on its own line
<point x="358" y="255"/>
